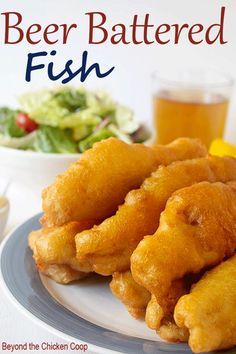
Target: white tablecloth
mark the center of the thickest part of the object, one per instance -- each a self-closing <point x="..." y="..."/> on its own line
<point x="15" y="327"/>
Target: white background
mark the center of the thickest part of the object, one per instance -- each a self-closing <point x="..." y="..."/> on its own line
<point x="130" y="83"/>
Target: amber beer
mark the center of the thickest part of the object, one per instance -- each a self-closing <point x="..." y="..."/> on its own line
<point x="192" y="115"/>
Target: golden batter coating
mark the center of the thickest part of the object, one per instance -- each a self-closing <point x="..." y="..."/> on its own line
<point x="208" y="312"/>
<point x="171" y="332"/>
<point x="94" y="186"/>
<point x="197" y="230"/>
<point x="165" y="326"/>
<point x="154" y="314"/>
<point x="133" y="295"/>
<point x="109" y="246"/>
<point x="54" y="251"/>
<point x="62" y="274"/>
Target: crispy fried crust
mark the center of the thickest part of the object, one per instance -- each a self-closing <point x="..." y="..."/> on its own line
<point x="193" y="234"/>
<point x="133" y="296"/>
<point x="62" y="274"/>
<point x="154" y="314"/>
<point x="165" y="327"/>
<point x="172" y="333"/>
<point x="209" y="310"/>
<point x="108" y="247"/>
<point x="180" y="149"/>
<point x="94" y="186"/>
<point x="54" y="251"/>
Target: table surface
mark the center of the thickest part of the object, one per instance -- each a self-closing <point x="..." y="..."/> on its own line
<point x="15" y="327"/>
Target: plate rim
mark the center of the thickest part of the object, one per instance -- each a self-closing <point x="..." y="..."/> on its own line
<point x="31" y="316"/>
<point x="98" y="349"/>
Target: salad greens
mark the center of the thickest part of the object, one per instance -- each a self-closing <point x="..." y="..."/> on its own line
<point x="67" y="120"/>
<point x="54" y="140"/>
<point x="8" y="125"/>
<point x="88" y="142"/>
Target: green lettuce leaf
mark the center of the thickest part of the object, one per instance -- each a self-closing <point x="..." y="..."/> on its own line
<point x="124" y="119"/>
<point x="70" y="98"/>
<point x="54" y="140"/>
<point x="8" y="125"/>
<point x="77" y="119"/>
<point x="50" y="107"/>
<point x="24" y="142"/>
<point x="93" y="138"/>
<point x="119" y="134"/>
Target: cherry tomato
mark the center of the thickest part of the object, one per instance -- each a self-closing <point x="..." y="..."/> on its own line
<point x="23" y="121"/>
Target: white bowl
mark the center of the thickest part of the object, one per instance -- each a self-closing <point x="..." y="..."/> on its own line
<point x="4" y="211"/>
<point x="36" y="170"/>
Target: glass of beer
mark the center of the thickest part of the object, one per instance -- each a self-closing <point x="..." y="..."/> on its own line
<point x="190" y="103"/>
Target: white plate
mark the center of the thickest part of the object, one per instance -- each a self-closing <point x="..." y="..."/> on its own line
<point x="84" y="312"/>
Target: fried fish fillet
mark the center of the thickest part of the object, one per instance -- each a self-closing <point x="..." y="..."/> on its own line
<point x="171" y="332"/>
<point x="94" y="186"/>
<point x="54" y="251"/>
<point x="209" y="310"/>
<point x="167" y="328"/>
<point x="108" y="247"/>
<point x="134" y="296"/>
<point x="163" y="321"/>
<point x="157" y="317"/>
<point x="197" y="230"/>
<point x="62" y="274"/>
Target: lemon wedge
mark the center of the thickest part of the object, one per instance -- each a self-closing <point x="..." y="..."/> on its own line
<point x="221" y="148"/>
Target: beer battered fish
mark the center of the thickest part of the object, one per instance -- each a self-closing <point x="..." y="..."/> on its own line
<point x="62" y="274"/>
<point x="197" y="230"/>
<point x="167" y="328"/>
<point x="54" y="251"/>
<point x="137" y="299"/>
<point x="109" y="246"/>
<point x="208" y="312"/>
<point x="140" y="305"/>
<point x="134" y="296"/>
<point x="94" y="186"/>
<point x="162" y="321"/>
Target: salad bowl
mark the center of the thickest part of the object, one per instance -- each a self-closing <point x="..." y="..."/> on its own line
<point x="36" y="170"/>
<point x="51" y="128"/>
